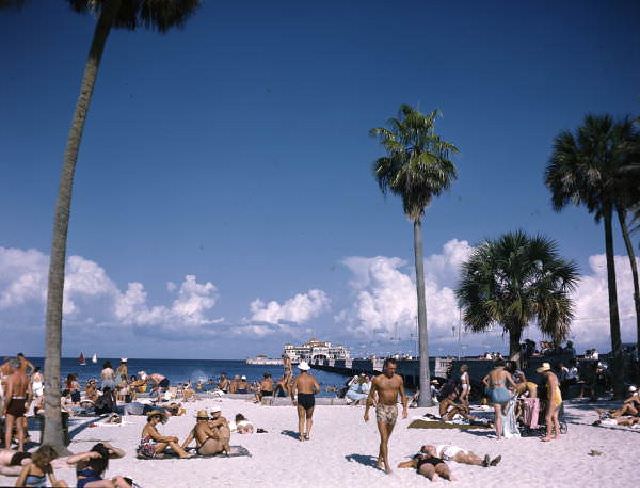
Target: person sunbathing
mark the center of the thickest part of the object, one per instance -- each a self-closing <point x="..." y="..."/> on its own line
<point x="630" y="406"/>
<point x="426" y="464"/>
<point x="39" y="469"/>
<point x="153" y="443"/>
<point x="11" y="462"/>
<point x="208" y="440"/>
<point x="241" y="425"/>
<point x="459" y="455"/>
<point x="448" y="408"/>
<point x="91" y="466"/>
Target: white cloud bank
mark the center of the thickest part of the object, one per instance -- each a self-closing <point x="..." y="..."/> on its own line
<point x="384" y="298"/>
<point x="92" y="297"/>
<point x="299" y="309"/>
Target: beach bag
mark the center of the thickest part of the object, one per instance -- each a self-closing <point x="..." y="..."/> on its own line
<point x="531" y="412"/>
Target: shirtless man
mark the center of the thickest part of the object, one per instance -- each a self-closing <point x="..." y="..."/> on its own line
<point x="459" y="455"/>
<point x="388" y="386"/>
<point x="448" y="408"/>
<point x="266" y="387"/>
<point x="17" y="393"/>
<point x="208" y="440"/>
<point x="307" y="387"/>
<point x="219" y="425"/>
<point x="224" y="383"/>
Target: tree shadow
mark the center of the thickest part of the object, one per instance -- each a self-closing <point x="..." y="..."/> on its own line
<point x="364" y="459"/>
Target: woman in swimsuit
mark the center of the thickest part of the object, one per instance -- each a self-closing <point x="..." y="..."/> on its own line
<point x="496" y="389"/>
<point x="466" y="385"/>
<point x="91" y="466"/>
<point x="153" y="443"/>
<point x="554" y="400"/>
<point x="37" y="472"/>
<point x="429" y="466"/>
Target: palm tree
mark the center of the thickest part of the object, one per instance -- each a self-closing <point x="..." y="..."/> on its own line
<point x="417" y="168"/>
<point x="126" y="14"/>
<point x="584" y="169"/>
<point x="514" y="280"/>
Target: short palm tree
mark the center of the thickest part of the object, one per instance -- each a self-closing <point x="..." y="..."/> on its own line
<point x="417" y="168"/>
<point x="513" y="281"/>
<point x="584" y="170"/>
<point x="126" y="14"/>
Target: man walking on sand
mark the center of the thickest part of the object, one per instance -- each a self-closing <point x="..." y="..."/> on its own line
<point x="307" y="387"/>
<point x="388" y="385"/>
<point x="18" y="392"/>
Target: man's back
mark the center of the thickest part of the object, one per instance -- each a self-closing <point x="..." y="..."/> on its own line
<point x="307" y="384"/>
<point x="18" y="383"/>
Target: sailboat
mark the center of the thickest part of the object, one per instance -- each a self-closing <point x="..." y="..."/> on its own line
<point x="81" y="360"/>
<point x="94" y="359"/>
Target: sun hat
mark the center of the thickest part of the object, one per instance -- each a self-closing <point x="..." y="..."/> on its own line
<point x="303" y="366"/>
<point x="216" y="409"/>
<point x="156" y="413"/>
<point x="202" y="414"/>
<point x="543" y="368"/>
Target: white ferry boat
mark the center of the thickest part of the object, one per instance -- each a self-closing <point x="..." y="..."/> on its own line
<point x="264" y="360"/>
<point x="315" y="349"/>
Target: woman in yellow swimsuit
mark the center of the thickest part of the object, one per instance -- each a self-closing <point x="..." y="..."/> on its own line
<point x="554" y="400"/>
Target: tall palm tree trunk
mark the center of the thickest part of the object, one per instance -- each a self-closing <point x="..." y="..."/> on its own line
<point x="634" y="267"/>
<point x="423" y="332"/>
<point x="614" y="315"/>
<point x="53" y="433"/>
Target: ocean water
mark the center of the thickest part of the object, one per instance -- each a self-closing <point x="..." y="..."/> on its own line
<point x="182" y="370"/>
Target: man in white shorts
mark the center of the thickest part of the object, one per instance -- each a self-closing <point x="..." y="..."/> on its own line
<point x="459" y="455"/>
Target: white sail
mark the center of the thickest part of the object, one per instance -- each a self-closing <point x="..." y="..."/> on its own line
<point x="94" y="359"/>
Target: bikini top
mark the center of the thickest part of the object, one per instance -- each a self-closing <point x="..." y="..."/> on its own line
<point x="33" y="480"/>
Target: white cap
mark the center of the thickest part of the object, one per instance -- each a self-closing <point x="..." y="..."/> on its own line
<point x="123" y="360"/>
<point x="243" y="377"/>
<point x="303" y="366"/>
<point x="632" y="388"/>
<point x="216" y="409"/>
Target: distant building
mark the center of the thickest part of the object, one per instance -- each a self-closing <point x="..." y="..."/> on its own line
<point x="315" y="349"/>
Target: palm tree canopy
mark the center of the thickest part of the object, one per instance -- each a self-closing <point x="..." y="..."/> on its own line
<point x="587" y="168"/>
<point x="515" y="279"/>
<point x="417" y="166"/>
<point x="161" y="15"/>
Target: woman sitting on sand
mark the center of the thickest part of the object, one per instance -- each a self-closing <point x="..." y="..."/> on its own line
<point x="426" y="464"/>
<point x="496" y="389"/>
<point x="153" y="443"/>
<point x="37" y="472"/>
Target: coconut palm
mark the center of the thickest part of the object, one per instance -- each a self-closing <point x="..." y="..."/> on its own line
<point x="417" y="168"/>
<point x="125" y="14"/>
<point x="513" y="281"/>
<point x="584" y="170"/>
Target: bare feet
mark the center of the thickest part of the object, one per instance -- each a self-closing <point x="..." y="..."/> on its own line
<point x="496" y="460"/>
<point x="546" y="439"/>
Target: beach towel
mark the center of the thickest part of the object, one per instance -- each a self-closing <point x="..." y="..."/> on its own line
<point x="236" y="451"/>
<point x="531" y="412"/>
<point x="440" y="424"/>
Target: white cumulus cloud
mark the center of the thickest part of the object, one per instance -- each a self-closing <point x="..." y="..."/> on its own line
<point x="301" y="308"/>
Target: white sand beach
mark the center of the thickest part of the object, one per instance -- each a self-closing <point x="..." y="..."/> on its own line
<point x="342" y="452"/>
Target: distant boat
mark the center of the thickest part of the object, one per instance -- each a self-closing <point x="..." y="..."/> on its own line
<point x="81" y="360"/>
<point x="94" y="359"/>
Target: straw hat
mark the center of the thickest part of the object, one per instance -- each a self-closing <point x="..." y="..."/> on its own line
<point x="543" y="368"/>
<point x="202" y="414"/>
<point x="303" y="366"/>
<point x="156" y="413"/>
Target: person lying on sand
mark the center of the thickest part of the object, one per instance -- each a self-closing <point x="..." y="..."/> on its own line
<point x="91" y="466"/>
<point x="153" y="443"/>
<point x="631" y="405"/>
<point x="241" y="425"/>
<point x="11" y="462"/>
<point x="459" y="455"/>
<point x="429" y="466"/>
<point x="208" y="440"/>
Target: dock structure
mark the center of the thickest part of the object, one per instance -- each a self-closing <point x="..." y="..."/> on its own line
<point x="442" y="368"/>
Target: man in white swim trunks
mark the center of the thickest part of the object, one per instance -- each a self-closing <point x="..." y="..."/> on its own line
<point x="459" y="455"/>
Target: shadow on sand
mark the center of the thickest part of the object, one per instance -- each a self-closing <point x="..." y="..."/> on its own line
<point x="364" y="459"/>
<point x="292" y="434"/>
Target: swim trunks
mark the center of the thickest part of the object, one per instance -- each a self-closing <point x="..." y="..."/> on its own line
<point x="306" y="400"/>
<point x="387" y="413"/>
<point x="432" y="461"/>
<point x="17" y="407"/>
<point x="266" y="393"/>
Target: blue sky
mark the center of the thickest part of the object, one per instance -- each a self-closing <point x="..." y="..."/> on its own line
<point x="237" y="151"/>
